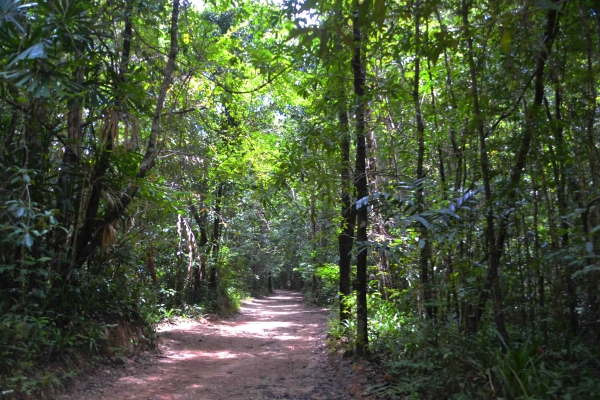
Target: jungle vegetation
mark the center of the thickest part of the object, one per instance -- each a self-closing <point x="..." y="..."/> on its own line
<point x="428" y="168"/>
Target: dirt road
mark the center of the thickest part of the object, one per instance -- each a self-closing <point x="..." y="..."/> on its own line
<point x="274" y="349"/>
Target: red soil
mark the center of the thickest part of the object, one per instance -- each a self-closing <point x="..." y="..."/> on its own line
<point x="273" y="349"/>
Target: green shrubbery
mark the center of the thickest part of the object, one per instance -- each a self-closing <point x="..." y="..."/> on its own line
<point x="477" y="369"/>
<point x="433" y="361"/>
<point x="46" y="337"/>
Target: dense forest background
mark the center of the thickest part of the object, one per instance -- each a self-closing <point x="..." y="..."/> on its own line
<point x="428" y="168"/>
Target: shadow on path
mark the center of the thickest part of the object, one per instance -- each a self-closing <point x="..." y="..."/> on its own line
<point x="272" y="350"/>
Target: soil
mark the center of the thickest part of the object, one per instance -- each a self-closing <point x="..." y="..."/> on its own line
<point x="273" y="349"/>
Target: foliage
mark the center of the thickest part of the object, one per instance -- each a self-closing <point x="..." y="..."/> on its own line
<point x="166" y="158"/>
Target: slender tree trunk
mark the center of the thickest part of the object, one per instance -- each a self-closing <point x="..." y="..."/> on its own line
<point x="215" y="239"/>
<point x="65" y="199"/>
<point x="497" y="239"/>
<point x="345" y="240"/>
<point x="200" y="272"/>
<point x="493" y="278"/>
<point x="457" y="150"/>
<point x="593" y="298"/>
<point x="423" y="234"/>
<point x="563" y="272"/>
<point x="151" y="267"/>
<point x="313" y="226"/>
<point x="457" y="156"/>
<point x="362" y="190"/>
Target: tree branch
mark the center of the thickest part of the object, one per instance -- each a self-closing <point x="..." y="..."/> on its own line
<point x="184" y="111"/>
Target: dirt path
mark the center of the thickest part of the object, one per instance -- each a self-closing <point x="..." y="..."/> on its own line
<point x="274" y="349"/>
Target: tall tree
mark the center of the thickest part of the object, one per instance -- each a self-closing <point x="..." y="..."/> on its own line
<point x="360" y="182"/>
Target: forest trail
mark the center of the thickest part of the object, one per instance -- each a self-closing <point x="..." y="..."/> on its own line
<point x="273" y="349"/>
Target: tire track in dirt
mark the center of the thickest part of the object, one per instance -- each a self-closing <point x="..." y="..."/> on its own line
<point x="273" y="349"/>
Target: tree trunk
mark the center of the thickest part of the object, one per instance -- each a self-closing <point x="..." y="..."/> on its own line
<point x="494" y="258"/>
<point x="423" y="234"/>
<point x="362" y="191"/>
<point x="345" y="240"/>
<point x="270" y="283"/>
<point x="215" y="238"/>
<point x="151" y="268"/>
<point x="200" y="272"/>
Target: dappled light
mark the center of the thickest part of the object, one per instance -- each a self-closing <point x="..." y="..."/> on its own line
<point x="258" y="354"/>
<point x="196" y="195"/>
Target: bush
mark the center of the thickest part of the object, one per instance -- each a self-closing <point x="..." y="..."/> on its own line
<point x="44" y="337"/>
<point x="424" y="360"/>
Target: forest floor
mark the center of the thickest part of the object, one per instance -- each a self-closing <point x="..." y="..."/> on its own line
<point x="274" y="348"/>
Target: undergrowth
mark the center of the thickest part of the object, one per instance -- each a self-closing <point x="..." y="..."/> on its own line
<point x="52" y="334"/>
<point x="224" y="301"/>
<point x="433" y="361"/>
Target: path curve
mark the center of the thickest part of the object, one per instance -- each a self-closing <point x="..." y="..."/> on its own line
<point x="273" y="349"/>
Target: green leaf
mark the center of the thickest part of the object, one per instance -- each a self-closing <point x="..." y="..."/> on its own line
<point x="434" y="53"/>
<point x="547" y="5"/>
<point x="309" y="4"/>
<point x="423" y="221"/>
<point x="363" y="9"/>
<point x="379" y="13"/>
<point x="28" y="240"/>
<point x="505" y="41"/>
<point x="596" y="229"/>
<point x="35" y="51"/>
<point x="294" y="33"/>
<point x="323" y="43"/>
<point x="348" y="41"/>
<point x="586" y="270"/>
